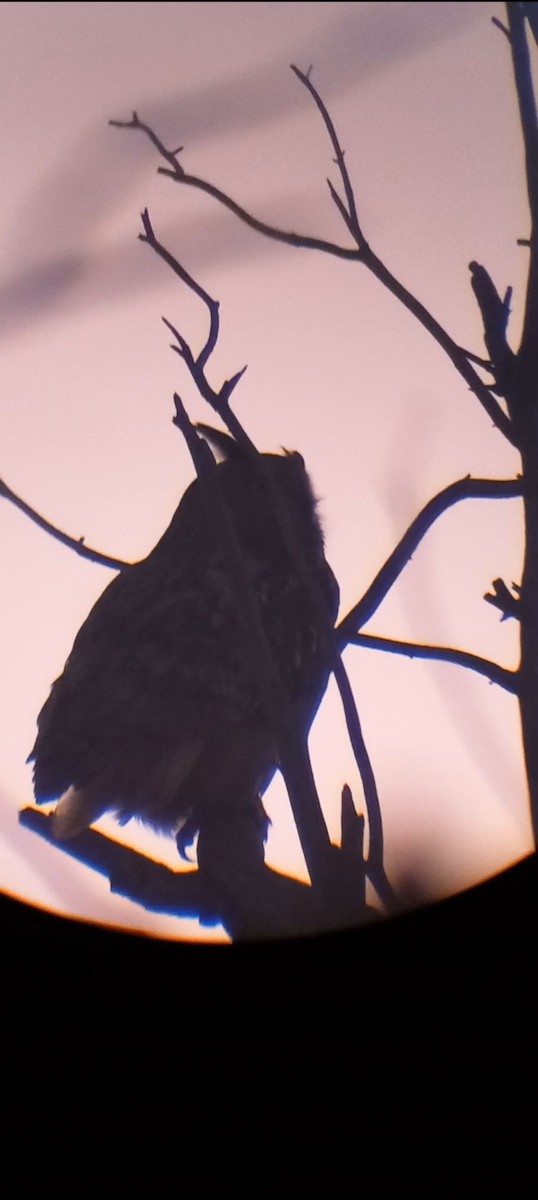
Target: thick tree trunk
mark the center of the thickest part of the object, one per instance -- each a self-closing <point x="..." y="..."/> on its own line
<point x="529" y="651"/>
<point x="523" y="404"/>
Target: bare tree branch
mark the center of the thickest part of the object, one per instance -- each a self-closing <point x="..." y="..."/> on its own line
<point x="149" y="238"/>
<point x="381" y="272"/>
<point x="462" y="489"/>
<point x="78" y="545"/>
<point x="462" y="658"/>
<point x="499" y="24"/>
<point x="363" y="252"/>
<point x="350" y="214"/>
<point x="524" y="387"/>
<point x="257" y="903"/>
<point x="526" y="99"/>
<point x="177" y="173"/>
<point x="374" y="864"/>
<point x="495" y="314"/>
<point x="140" y="879"/>
<point x="458" y="358"/>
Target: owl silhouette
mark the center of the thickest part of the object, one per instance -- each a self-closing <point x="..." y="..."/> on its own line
<point x="157" y="714"/>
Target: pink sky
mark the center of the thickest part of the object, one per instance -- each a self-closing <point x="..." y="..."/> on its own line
<point x="423" y="100"/>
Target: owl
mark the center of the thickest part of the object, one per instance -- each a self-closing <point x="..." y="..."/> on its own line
<point x="158" y="714"/>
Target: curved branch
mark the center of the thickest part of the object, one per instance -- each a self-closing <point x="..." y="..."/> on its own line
<point x="212" y="306"/>
<point x="501" y="675"/>
<point x="454" y="352"/>
<point x="95" y="556"/>
<point x="462" y="489"/>
<point x="299" y="240"/>
<point x="175" y="171"/>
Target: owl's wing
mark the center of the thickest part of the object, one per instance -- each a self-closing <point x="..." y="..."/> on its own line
<point x="157" y="658"/>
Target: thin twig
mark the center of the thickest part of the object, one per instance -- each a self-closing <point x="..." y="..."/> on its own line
<point x="78" y="545"/>
<point x="175" y="171"/>
<point x="212" y="305"/>
<point x="462" y="489"/>
<point x="503" y="29"/>
<point x="135" y="123"/>
<point x="352" y="215"/>
<point x="501" y="675"/>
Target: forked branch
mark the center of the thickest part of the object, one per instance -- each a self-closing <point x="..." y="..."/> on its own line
<point x="362" y="252"/>
<point x="462" y="489"/>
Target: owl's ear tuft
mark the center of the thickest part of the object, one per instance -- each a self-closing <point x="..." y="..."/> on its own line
<point x="293" y="454"/>
<point x="224" y="444"/>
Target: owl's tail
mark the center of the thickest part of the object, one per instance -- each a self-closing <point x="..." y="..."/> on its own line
<point x="76" y="810"/>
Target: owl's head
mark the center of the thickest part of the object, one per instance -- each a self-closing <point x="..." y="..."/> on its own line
<point x="257" y="517"/>
<point x="244" y="486"/>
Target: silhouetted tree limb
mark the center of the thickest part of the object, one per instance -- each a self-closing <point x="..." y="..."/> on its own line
<point x="78" y="545"/>
<point x="525" y="94"/>
<point x="495" y="314"/>
<point x="501" y="26"/>
<point x="252" y="901"/>
<point x="462" y="489"/>
<point x="462" y="658"/>
<point x="363" y="252"/>
<point x="134" y="875"/>
<point x="374" y="864"/>
<point x="176" y="172"/>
